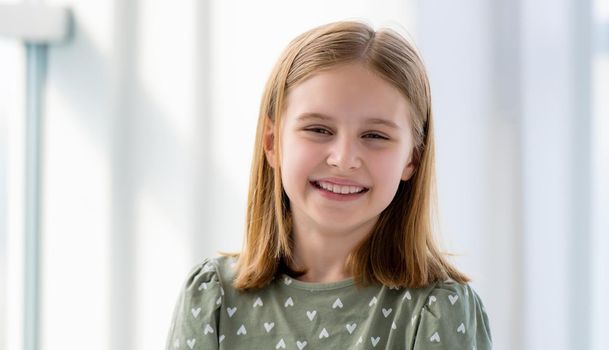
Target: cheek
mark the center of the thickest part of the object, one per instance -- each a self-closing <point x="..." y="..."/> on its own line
<point x="298" y="161"/>
<point x="389" y="162"/>
<point x="387" y="169"/>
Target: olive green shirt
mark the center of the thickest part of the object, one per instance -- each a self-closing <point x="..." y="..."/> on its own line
<point x="291" y="314"/>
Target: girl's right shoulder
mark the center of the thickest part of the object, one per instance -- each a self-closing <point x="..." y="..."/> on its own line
<point x="217" y="272"/>
<point x="199" y="302"/>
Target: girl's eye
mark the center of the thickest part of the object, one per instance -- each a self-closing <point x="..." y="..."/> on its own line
<point x="376" y="136"/>
<point x="320" y="131"/>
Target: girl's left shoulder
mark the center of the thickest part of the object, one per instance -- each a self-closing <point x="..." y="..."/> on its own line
<point x="453" y="315"/>
<point x="451" y="294"/>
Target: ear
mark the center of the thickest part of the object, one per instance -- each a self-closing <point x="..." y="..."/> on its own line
<point x="268" y="142"/>
<point x="410" y="167"/>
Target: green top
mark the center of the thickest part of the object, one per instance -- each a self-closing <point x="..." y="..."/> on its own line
<point x="291" y="314"/>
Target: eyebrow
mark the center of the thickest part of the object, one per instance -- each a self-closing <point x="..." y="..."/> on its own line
<point x="319" y="116"/>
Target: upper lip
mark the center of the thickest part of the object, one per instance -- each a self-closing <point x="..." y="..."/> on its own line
<point x="340" y="182"/>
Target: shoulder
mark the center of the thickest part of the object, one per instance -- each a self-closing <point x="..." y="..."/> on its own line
<point x="452" y="314"/>
<point x="200" y="299"/>
<point x="211" y="273"/>
<point x="450" y="295"/>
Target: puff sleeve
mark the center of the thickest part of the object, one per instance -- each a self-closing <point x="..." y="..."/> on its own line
<point x="453" y="317"/>
<point x="196" y="314"/>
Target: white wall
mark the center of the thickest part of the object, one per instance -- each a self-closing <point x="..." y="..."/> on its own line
<point x="149" y="122"/>
<point x="12" y="63"/>
<point x="476" y="153"/>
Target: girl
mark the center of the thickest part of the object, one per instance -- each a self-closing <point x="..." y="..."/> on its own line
<point x="339" y="251"/>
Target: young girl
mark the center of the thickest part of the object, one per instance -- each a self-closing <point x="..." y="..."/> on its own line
<point x="339" y="251"/>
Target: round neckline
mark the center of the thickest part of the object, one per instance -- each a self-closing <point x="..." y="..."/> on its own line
<point x="314" y="286"/>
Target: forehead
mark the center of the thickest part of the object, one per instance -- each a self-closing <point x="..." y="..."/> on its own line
<point x="347" y="92"/>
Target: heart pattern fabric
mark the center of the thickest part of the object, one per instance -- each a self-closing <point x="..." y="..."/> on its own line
<point x="288" y="314"/>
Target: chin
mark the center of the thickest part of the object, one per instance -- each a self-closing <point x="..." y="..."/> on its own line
<point x="341" y="226"/>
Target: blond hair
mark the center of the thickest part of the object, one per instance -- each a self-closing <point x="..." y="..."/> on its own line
<point x="401" y="250"/>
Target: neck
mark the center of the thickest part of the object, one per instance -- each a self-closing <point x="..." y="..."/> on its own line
<point x="323" y="253"/>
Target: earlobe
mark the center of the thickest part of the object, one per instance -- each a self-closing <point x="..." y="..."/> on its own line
<point x="268" y="142"/>
<point x="408" y="171"/>
<point x="411" y="167"/>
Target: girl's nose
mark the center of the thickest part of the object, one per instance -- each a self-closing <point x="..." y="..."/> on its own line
<point x="344" y="154"/>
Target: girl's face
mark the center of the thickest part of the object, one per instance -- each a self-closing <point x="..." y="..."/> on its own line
<point x="346" y="144"/>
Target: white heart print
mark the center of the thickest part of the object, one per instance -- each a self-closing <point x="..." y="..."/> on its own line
<point x="241" y="330"/>
<point x="337" y="303"/>
<point x="301" y="344"/>
<point x="208" y="329"/>
<point x="323" y="334"/>
<point x="375" y="341"/>
<point x="269" y="326"/>
<point x="195" y="312"/>
<point x="461" y="328"/>
<point x="435" y="338"/>
<point x="311" y="314"/>
<point x="453" y="299"/>
<point x="191" y="342"/>
<point x="289" y="302"/>
<point x="387" y="312"/>
<point x="372" y="301"/>
<point x="280" y="344"/>
<point x="231" y="311"/>
<point x="351" y="327"/>
<point x="258" y="302"/>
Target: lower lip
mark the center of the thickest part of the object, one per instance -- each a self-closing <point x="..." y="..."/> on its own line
<point x="336" y="196"/>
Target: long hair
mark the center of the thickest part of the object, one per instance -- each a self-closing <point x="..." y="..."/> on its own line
<point x="401" y="250"/>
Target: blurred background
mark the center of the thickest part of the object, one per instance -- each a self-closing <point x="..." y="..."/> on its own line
<point x="148" y="120"/>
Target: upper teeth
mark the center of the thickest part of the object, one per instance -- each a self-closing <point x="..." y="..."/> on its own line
<point x="340" y="189"/>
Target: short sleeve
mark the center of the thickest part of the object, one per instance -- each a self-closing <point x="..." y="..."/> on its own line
<point x="195" y="317"/>
<point x="453" y="317"/>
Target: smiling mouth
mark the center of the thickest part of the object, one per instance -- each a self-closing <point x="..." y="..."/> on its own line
<point x="338" y="189"/>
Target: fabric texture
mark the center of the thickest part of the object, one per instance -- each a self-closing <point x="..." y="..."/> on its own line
<point x="289" y="314"/>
